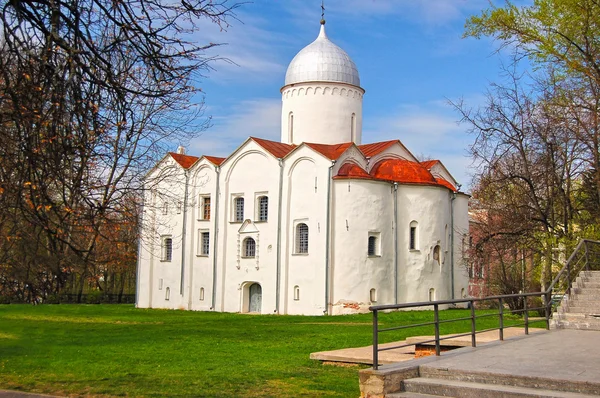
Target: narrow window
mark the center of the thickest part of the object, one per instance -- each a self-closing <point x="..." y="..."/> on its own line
<point x="372" y="246"/>
<point x="296" y="293"/>
<point x="353" y="128"/>
<point x="447" y="238"/>
<point x="204" y="243"/>
<point x="249" y="247"/>
<point x="201" y="294"/>
<point x="291" y="127"/>
<point x="373" y="295"/>
<point x="432" y="294"/>
<point x="167" y="249"/>
<point x="263" y="208"/>
<point x="206" y="208"/>
<point x="165" y="208"/>
<point x="462" y="293"/>
<point x="167" y="294"/>
<point x="179" y="206"/>
<point x="239" y="209"/>
<point x="160" y="284"/>
<point x="413" y="244"/>
<point x="301" y="238"/>
<point x="436" y="254"/>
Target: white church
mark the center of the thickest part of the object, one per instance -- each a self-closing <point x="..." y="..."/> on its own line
<point x="318" y="223"/>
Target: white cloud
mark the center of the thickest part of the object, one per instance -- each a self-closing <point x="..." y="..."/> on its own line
<point x="260" y="117"/>
<point x="247" y="44"/>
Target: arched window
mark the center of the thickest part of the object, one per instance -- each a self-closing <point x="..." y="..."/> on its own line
<point x="413" y="236"/>
<point x="353" y="128"/>
<point x="436" y="254"/>
<point x="296" y="293"/>
<point x="167" y="249"/>
<point x="373" y="244"/>
<point x="463" y="293"/>
<point x="291" y="127"/>
<point x="238" y="204"/>
<point x="201" y="294"/>
<point x="373" y="295"/>
<point x="263" y="208"/>
<point x="168" y="294"/>
<point x="301" y="238"/>
<point x="249" y="247"/>
<point x="432" y="294"/>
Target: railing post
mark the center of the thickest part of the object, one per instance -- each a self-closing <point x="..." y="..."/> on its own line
<point x="548" y="308"/>
<point x="375" y="341"/>
<point x="501" y="315"/>
<point x="526" y="314"/>
<point x="436" y="321"/>
<point x="569" y="278"/>
<point x="473" y="340"/>
<point x="587" y="258"/>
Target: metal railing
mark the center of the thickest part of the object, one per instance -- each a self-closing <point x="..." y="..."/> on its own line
<point x="586" y="256"/>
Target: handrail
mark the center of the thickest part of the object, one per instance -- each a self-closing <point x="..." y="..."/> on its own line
<point x="570" y="269"/>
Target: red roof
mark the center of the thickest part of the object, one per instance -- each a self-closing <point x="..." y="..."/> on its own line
<point x="429" y="163"/>
<point x="352" y="170"/>
<point x="214" y="160"/>
<point x="407" y="172"/>
<point x="332" y="152"/>
<point x="276" y="149"/>
<point x="442" y="181"/>
<point x="184" y="160"/>
<point x="370" y="150"/>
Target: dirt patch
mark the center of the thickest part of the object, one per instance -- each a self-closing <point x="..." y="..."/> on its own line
<point x="65" y="319"/>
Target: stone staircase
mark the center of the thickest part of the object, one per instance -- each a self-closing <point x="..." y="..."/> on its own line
<point x="580" y="310"/>
<point x="489" y="386"/>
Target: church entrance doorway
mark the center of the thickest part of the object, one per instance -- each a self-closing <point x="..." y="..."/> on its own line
<point x="255" y="293"/>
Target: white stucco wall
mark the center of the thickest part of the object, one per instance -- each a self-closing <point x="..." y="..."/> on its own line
<point x="156" y="274"/>
<point x="322" y="113"/>
<point x="362" y="208"/>
<point x="305" y="201"/>
<point x="202" y="184"/>
<point x="250" y="173"/>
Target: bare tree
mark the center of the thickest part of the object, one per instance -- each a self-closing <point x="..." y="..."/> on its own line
<point x="91" y="93"/>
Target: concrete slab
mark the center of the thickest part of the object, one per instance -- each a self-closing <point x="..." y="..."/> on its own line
<point x="364" y="355"/>
<point x="563" y="355"/>
<point x="465" y="341"/>
<point x="561" y="360"/>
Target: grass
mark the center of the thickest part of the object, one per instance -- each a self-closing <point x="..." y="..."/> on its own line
<point x="118" y="350"/>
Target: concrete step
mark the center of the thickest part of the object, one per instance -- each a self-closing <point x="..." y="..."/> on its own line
<point x="579" y="324"/>
<point x="466" y="389"/>
<point x="586" y="296"/>
<point x="513" y="380"/>
<point x="581" y="309"/>
<point x="586" y="285"/>
<point x="573" y="316"/>
<point x="407" y="394"/>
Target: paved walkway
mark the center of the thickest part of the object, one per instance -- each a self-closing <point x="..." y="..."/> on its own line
<point x="564" y="354"/>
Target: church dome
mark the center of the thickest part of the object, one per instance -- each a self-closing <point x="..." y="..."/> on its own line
<point x="322" y="61"/>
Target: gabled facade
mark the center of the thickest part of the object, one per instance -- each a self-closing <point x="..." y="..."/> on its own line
<point x="315" y="224"/>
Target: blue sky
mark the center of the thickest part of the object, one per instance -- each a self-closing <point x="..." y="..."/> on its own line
<point x="409" y="53"/>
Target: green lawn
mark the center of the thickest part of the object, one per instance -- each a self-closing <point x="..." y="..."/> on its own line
<point x="117" y="350"/>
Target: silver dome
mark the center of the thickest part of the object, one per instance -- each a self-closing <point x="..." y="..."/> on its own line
<point x="322" y="61"/>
